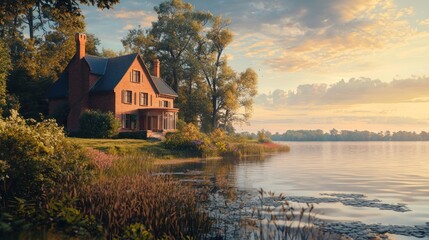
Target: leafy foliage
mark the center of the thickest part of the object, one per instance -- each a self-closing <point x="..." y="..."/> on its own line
<point x="39" y="158"/>
<point x="264" y="136"/>
<point x="5" y="67"/>
<point x="28" y="82"/>
<point x="95" y="124"/>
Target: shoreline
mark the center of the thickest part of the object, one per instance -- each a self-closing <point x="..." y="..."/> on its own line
<point x="173" y="161"/>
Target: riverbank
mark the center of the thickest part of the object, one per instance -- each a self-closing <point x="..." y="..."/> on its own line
<point x="160" y="152"/>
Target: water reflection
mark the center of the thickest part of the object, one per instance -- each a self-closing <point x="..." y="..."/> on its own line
<point x="393" y="172"/>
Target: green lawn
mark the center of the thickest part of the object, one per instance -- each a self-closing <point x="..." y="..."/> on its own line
<point x="131" y="146"/>
<point x="157" y="150"/>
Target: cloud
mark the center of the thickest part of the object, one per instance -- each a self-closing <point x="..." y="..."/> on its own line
<point x="353" y="91"/>
<point x="128" y="27"/>
<point x="424" y="22"/>
<point x="131" y="17"/>
<point x="294" y="35"/>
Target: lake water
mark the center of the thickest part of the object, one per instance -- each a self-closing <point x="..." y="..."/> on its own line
<point x="392" y="172"/>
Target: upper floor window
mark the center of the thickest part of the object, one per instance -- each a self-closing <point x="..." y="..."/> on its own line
<point x="127" y="96"/>
<point x="135" y="76"/>
<point x="163" y="103"/>
<point x="144" y="99"/>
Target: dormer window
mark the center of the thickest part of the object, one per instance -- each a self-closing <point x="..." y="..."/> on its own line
<point x="135" y="78"/>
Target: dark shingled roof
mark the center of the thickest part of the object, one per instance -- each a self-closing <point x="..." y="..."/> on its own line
<point x="60" y="88"/>
<point x="97" y="65"/>
<point x="163" y="87"/>
<point x="111" y="71"/>
<point x="115" y="70"/>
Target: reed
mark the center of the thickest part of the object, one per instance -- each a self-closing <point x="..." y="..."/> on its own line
<point x="243" y="149"/>
<point x="125" y="195"/>
<point x="162" y="205"/>
<point x="283" y="222"/>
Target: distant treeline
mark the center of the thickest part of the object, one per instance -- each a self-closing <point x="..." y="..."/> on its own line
<point x="343" y="135"/>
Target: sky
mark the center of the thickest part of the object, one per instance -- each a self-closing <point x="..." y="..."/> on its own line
<point x="322" y="64"/>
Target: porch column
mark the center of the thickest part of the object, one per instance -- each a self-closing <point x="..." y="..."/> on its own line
<point x="162" y="121"/>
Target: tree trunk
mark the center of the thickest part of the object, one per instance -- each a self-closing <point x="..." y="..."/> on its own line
<point x="30" y="18"/>
<point x="214" y="113"/>
<point x="175" y="80"/>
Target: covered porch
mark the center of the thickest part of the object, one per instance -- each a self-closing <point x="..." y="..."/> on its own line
<point x="158" y="119"/>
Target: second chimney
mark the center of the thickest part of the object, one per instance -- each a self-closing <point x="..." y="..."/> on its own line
<point x="80" y="45"/>
<point x="156" y="68"/>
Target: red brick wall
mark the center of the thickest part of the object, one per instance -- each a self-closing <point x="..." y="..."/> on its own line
<point x="104" y="102"/>
<point x="144" y="86"/>
<point x="78" y="92"/>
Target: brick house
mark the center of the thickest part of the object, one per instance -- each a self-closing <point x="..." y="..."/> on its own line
<point x="122" y="85"/>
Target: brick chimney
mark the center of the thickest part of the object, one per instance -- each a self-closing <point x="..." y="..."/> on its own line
<point x="78" y="78"/>
<point x="80" y="44"/>
<point x="156" y="68"/>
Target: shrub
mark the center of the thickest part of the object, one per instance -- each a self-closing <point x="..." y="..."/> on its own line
<point x="263" y="137"/>
<point x="185" y="138"/>
<point x="133" y="135"/>
<point x="190" y="138"/>
<point x="95" y="124"/>
<point x="219" y="139"/>
<point x="38" y="158"/>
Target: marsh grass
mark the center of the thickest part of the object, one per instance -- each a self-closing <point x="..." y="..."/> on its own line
<point x="283" y="222"/>
<point x="125" y="198"/>
<point x="245" y="149"/>
<point x="161" y="204"/>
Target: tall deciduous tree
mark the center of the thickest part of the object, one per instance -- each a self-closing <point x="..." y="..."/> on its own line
<point x="5" y="67"/>
<point x="191" y="45"/>
<point x="177" y="28"/>
<point x="38" y="62"/>
<point x="231" y="95"/>
<point x="36" y="13"/>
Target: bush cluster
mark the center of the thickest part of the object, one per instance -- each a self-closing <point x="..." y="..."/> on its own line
<point x="96" y="124"/>
<point x="47" y="181"/>
<point x="189" y="138"/>
<point x="36" y="158"/>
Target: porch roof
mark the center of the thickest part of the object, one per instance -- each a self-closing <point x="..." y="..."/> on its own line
<point x="159" y="109"/>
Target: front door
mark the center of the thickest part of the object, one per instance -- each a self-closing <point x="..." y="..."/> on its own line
<point x="153" y="123"/>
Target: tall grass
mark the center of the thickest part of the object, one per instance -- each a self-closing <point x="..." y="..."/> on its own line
<point x="239" y="150"/>
<point x="124" y="195"/>
<point x="162" y="205"/>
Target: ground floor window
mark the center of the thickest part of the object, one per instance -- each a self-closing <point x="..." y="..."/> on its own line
<point x="169" y="121"/>
<point x="129" y="121"/>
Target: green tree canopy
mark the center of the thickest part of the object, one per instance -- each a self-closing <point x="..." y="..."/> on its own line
<point x="5" y="67"/>
<point x="191" y="45"/>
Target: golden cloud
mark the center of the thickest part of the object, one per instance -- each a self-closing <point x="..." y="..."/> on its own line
<point x="351" y="29"/>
